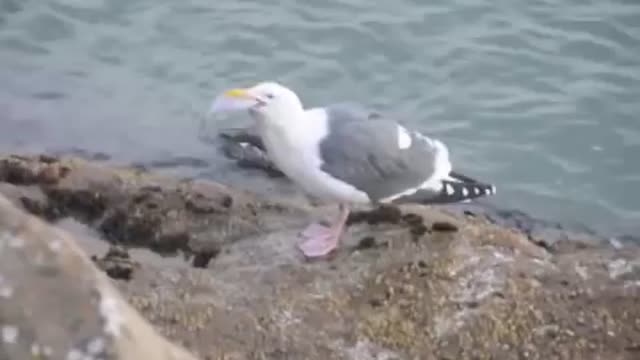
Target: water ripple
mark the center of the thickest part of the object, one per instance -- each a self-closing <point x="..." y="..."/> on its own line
<point x="523" y="90"/>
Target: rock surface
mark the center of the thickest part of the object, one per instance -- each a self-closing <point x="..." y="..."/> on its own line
<point x="54" y="304"/>
<point x="412" y="282"/>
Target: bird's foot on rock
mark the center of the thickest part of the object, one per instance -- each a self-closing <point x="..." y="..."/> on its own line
<point x="315" y="229"/>
<point x="318" y="240"/>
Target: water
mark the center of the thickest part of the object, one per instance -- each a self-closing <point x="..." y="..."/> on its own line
<point x="541" y="97"/>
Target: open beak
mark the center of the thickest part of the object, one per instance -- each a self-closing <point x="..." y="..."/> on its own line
<point x="234" y="99"/>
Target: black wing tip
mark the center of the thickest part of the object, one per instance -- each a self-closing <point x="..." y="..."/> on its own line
<point x="452" y="191"/>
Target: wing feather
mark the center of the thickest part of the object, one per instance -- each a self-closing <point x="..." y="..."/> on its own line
<point x="364" y="151"/>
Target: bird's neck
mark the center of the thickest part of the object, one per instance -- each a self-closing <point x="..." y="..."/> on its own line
<point x="285" y="121"/>
<point x="283" y="128"/>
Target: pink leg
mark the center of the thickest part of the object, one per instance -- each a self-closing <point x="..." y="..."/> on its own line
<point x="320" y="240"/>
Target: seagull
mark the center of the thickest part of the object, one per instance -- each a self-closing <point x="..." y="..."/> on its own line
<point x="347" y="155"/>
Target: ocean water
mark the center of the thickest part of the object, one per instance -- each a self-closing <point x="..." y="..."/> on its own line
<point x="541" y="97"/>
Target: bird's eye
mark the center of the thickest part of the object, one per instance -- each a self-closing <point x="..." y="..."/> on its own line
<point x="269" y="96"/>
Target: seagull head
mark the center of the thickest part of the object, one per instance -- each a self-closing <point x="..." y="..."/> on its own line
<point x="268" y="101"/>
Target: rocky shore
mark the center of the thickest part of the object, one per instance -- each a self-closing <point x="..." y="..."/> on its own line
<point x="100" y="261"/>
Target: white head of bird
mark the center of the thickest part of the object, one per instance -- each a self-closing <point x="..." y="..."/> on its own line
<point x="267" y="102"/>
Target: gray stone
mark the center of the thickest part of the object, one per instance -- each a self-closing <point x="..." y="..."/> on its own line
<point x="54" y="303"/>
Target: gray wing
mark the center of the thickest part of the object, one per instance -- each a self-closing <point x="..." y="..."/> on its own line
<point x="362" y="150"/>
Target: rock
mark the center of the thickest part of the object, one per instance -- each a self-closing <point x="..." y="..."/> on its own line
<point x="366" y="243"/>
<point x="83" y="154"/>
<point x="444" y="226"/>
<point x="382" y="214"/>
<point x="54" y="304"/>
<point x="483" y="291"/>
<point x="202" y="259"/>
<point x="116" y="263"/>
<point x="135" y="209"/>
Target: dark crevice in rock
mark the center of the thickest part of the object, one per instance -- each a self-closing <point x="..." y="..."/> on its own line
<point x="379" y="215"/>
<point x="444" y="226"/>
<point x="201" y="259"/>
<point x="116" y="263"/>
<point x="367" y="242"/>
<point x="388" y="214"/>
<point x="175" y="162"/>
<point x="83" y="204"/>
<point x="82" y="154"/>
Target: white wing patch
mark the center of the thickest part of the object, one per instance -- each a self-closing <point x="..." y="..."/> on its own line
<point x="404" y="139"/>
<point x="450" y="190"/>
<point x="441" y="166"/>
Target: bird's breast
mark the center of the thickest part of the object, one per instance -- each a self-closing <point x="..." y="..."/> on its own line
<point x="292" y="155"/>
<point x="298" y="157"/>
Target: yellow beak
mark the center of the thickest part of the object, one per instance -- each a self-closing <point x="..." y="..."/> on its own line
<point x="239" y="94"/>
<point x="234" y="99"/>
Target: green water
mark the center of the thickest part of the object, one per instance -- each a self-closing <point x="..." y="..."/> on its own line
<point x="540" y="97"/>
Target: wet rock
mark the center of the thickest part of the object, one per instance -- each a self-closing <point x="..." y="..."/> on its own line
<point x="116" y="263"/>
<point x="11" y="173"/>
<point x="136" y="209"/>
<point x="201" y="259"/>
<point x="444" y="226"/>
<point x="175" y="162"/>
<point x="378" y="215"/>
<point x="376" y="302"/>
<point x="81" y="154"/>
<point x="553" y="236"/>
<point x="55" y="304"/>
<point x="418" y="230"/>
<point x="31" y="198"/>
<point x="366" y="243"/>
<point x="413" y="219"/>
